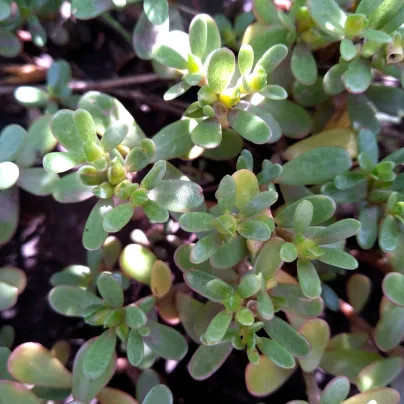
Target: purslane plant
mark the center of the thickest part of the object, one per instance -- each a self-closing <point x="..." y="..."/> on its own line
<point x="260" y="258"/>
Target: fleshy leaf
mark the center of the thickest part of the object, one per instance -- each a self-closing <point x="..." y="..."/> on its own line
<point x="335" y="391"/>
<point x="393" y="284"/>
<point x="358" y="291"/>
<point x="304" y="66"/>
<point x="31" y="363"/>
<point x="221" y="66"/>
<point x="315" y="166"/>
<point x="308" y="278"/>
<point x="159" y="394"/>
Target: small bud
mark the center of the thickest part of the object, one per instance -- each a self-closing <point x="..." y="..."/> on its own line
<point x="206" y="96"/>
<point x="148" y="146"/>
<point x="394" y="49"/>
<point x="144" y="331"/>
<point x="122" y="331"/>
<point x="98" y="318"/>
<point x="116" y="173"/>
<point x="355" y="24"/>
<point x="254" y="82"/>
<point x="304" y="21"/>
<point x="230" y="97"/>
<point x="194" y="64"/>
<point x="139" y="197"/>
<point x="226" y="225"/>
<point x="104" y="191"/>
<point x="121" y="191"/>
<point x="90" y="176"/>
<point x="92" y="151"/>
<point x="115" y="318"/>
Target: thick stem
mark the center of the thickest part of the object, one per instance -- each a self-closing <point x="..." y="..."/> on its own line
<point x="312" y="390"/>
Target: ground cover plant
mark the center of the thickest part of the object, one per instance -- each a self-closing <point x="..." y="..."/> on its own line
<point x="218" y="214"/>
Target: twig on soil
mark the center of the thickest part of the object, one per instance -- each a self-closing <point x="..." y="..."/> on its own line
<point x="312" y="390"/>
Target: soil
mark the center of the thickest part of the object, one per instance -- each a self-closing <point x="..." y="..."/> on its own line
<point x="49" y="234"/>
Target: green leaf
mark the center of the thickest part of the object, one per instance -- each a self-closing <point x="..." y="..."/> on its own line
<point x="12" y="139"/>
<point x="265" y="306"/>
<point x="385" y="11"/>
<point x="335" y="391"/>
<point x="37" y="181"/>
<point x="338" y="231"/>
<point x="387" y="99"/>
<point x="308" y="278"/>
<point x="10" y="45"/>
<point x="393" y="284"/>
<point x="196" y="222"/>
<point x="274" y="92"/>
<point x="347" y="49"/>
<point x="323" y="209"/>
<point x="304" y="66"/>
<point x="208" y="359"/>
<point x="65" y="131"/>
<point x="303" y="216"/>
<point x="358" y="291"/>
<point x="9" y="213"/>
<point x="58" y="76"/>
<point x="91" y="9"/>
<point x="155" y="213"/>
<point x="174" y="140"/>
<point x="245" y="59"/>
<point x="309" y="96"/>
<point x="165" y="341"/>
<point x="114" y="135"/>
<point x="217" y="328"/>
<point x="59" y="162"/>
<point x="135" y="348"/>
<point x="315" y="167"/>
<point x="266" y="12"/>
<point x="388" y="234"/>
<point x="286" y="336"/>
<point x="72" y="301"/>
<point x="9" y="173"/>
<point x="249" y="286"/>
<point x="198" y="34"/>
<point x="282" y="110"/>
<point x="229" y="147"/>
<point x="317" y="332"/>
<point x="254" y="230"/>
<point x="84" y="387"/>
<point x="16" y="393"/>
<point x="265" y="377"/>
<point x="268" y="261"/>
<point x="380" y="374"/>
<point x="94" y="234"/>
<point x="230" y="254"/>
<point x="272" y="58"/>
<point x="117" y="218"/>
<point x="109" y="395"/>
<point x="139" y="157"/>
<point x="247" y="187"/>
<point x="172" y="50"/>
<point x="349" y="180"/>
<point x="99" y="354"/>
<point x="385" y="395"/>
<point x="276" y="353"/>
<point x="135" y="317"/>
<point x="347" y="362"/>
<point x="31" y="96"/>
<point x="358" y="77"/>
<point x="207" y="134"/>
<point x="70" y="189"/>
<point x="288" y="252"/>
<point x="31" y="363"/>
<point x="110" y="290"/>
<point x="328" y="16"/>
<point x="177" y="195"/>
<point x="220" y="69"/>
<point x="159" y="394"/>
<point x="198" y="281"/>
<point x="338" y="258"/>
<point x="136" y="262"/>
<point x="226" y="193"/>
<point x="333" y="83"/>
<point x="156" y="11"/>
<point x="369" y="219"/>
<point x="261" y="202"/>
<point x="389" y="331"/>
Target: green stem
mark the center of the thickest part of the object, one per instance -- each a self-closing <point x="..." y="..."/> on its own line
<point x="113" y="23"/>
